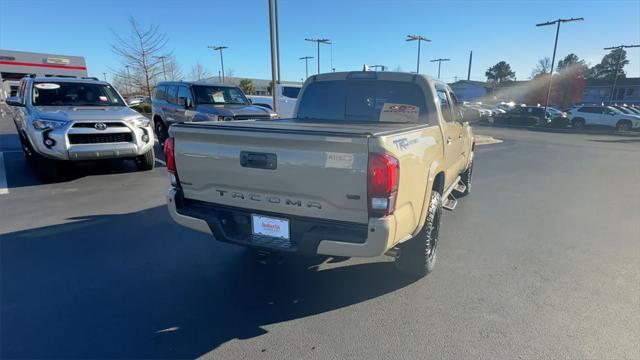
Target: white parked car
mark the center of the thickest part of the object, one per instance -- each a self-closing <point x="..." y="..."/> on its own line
<point x="287" y="98"/>
<point x="583" y="116"/>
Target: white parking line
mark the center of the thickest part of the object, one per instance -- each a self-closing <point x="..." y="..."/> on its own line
<point x="3" y="176"/>
<point x="161" y="162"/>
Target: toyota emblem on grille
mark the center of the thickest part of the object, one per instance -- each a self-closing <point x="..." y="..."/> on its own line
<point x="100" y="126"/>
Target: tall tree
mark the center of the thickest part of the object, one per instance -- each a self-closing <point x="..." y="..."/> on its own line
<point x="607" y="67"/>
<point x="173" y="69"/>
<point x="141" y="51"/>
<point x="199" y="72"/>
<point x="247" y="86"/>
<point x="572" y="60"/>
<point x="543" y="67"/>
<point x="500" y="72"/>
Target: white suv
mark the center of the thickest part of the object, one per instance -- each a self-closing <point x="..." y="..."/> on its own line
<point x="585" y="115"/>
<point x="72" y="119"/>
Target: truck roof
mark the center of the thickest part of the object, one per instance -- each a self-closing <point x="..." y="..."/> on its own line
<point x="68" y="79"/>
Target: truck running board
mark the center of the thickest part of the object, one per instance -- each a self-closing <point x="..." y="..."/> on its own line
<point x="450" y="203"/>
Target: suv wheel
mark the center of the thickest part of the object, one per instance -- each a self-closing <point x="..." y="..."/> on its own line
<point x="418" y="255"/>
<point x="161" y="131"/>
<point x="578" y="123"/>
<point x="146" y="161"/>
<point x="623" y="125"/>
<point x="28" y="151"/>
<point x="47" y="170"/>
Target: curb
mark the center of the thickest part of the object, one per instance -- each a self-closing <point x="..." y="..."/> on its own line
<point x="486" y="140"/>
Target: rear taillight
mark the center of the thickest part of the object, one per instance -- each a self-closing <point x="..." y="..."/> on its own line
<point x="384" y="175"/>
<point x="170" y="159"/>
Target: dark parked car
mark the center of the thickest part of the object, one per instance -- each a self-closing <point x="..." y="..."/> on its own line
<point x="525" y="115"/>
<point x="179" y="101"/>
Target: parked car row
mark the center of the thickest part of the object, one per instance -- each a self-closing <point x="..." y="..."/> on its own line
<point x="583" y="116"/>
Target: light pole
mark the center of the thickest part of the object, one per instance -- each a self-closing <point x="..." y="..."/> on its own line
<point x="220" y="48"/>
<point x="439" y="61"/>
<point x="419" y="38"/>
<point x="306" y="64"/>
<point x="553" y="58"/>
<point x="164" y="70"/>
<point x="128" y="80"/>
<point x="615" y="76"/>
<point x="274" y="53"/>
<point x="318" y="42"/>
<point x="105" y="76"/>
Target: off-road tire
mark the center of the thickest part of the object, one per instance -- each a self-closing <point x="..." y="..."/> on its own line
<point x="146" y="161"/>
<point x="466" y="178"/>
<point x="418" y="256"/>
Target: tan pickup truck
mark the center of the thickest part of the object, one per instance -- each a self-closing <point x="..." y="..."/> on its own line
<point x="363" y="169"/>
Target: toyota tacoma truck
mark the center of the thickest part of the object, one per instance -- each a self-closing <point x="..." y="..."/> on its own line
<point x="363" y="169"/>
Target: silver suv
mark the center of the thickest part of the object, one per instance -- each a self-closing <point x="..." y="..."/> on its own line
<point x="180" y="101"/>
<point x="72" y="119"/>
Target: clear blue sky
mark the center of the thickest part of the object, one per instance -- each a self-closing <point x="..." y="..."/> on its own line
<point x="363" y="32"/>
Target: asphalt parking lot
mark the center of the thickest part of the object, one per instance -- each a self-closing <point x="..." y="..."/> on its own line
<point x="540" y="261"/>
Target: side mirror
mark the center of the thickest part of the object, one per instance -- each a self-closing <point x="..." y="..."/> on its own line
<point x="14" y="101"/>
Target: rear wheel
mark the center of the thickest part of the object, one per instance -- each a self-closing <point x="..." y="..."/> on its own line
<point x="623" y="125"/>
<point x="418" y="256"/>
<point x="465" y="177"/>
<point x="161" y="131"/>
<point x="146" y="161"/>
<point x="578" y="123"/>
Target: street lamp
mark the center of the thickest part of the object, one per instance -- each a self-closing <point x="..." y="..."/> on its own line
<point x="419" y="38"/>
<point x="615" y="76"/>
<point x="553" y="59"/>
<point x="318" y="42"/>
<point x="128" y="80"/>
<point x="105" y="76"/>
<point x="220" y="48"/>
<point x="306" y="64"/>
<point x="439" y="61"/>
<point x="164" y="71"/>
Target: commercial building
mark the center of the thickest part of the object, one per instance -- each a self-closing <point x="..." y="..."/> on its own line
<point x="16" y="64"/>
<point x="261" y="86"/>
<point x="599" y="91"/>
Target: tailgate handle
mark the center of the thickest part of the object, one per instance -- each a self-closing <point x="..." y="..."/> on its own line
<point x="258" y="160"/>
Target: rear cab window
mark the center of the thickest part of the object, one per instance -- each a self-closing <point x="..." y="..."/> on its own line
<point x="363" y="101"/>
<point x="290" y="92"/>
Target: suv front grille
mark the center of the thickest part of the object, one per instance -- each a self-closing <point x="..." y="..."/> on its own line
<point x="247" y="117"/>
<point x="100" y="138"/>
<point x="90" y="125"/>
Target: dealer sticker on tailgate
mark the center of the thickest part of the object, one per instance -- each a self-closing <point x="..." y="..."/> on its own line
<point x="268" y="226"/>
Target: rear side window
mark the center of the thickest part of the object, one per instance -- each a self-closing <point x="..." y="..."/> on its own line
<point x="445" y="106"/>
<point x="290" y="92"/>
<point x="172" y="94"/>
<point x="363" y="101"/>
<point x="161" y="93"/>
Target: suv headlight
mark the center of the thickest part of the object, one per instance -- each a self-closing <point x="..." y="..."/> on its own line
<point x="44" y="124"/>
<point x="139" y="121"/>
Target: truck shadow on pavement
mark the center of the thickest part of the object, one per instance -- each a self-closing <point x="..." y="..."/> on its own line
<point x="139" y="286"/>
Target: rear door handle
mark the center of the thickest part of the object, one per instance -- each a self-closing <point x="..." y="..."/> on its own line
<point x="449" y="141"/>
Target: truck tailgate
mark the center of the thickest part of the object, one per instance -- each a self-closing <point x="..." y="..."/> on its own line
<point x="310" y="174"/>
